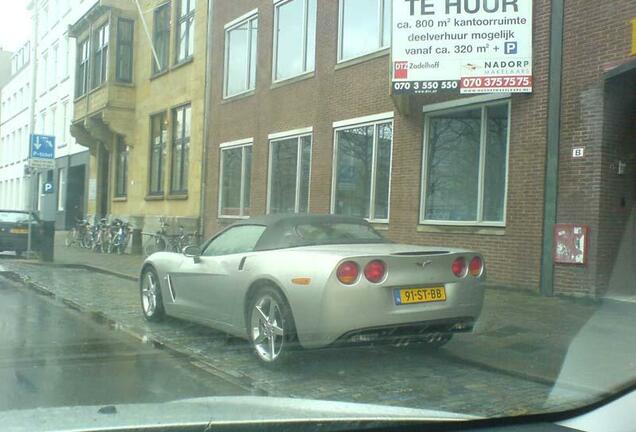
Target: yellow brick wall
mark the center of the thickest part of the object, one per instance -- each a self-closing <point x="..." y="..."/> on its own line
<point x="149" y="95"/>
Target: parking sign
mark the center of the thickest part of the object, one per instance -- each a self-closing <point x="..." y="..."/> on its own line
<point x="42" y="151"/>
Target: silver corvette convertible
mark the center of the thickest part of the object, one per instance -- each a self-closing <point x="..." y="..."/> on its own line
<point x="286" y="281"/>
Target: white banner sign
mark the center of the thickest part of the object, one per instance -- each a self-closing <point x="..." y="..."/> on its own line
<point x="465" y="46"/>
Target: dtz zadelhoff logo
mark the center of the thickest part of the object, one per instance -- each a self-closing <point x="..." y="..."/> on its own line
<point x="401" y="70"/>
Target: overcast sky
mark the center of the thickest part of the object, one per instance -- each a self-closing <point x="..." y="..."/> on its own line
<point x="15" y="24"/>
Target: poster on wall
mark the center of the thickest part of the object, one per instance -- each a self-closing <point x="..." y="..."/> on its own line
<point x="571" y="244"/>
<point x="462" y="46"/>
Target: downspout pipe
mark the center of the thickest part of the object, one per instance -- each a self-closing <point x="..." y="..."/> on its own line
<point x="207" y="115"/>
<point x="553" y="143"/>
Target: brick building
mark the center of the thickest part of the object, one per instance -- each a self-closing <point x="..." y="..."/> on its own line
<point x="303" y="120"/>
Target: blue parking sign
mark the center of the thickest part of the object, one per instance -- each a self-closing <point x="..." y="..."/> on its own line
<point x="42" y="147"/>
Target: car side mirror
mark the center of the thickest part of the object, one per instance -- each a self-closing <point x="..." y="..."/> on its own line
<point x="193" y="252"/>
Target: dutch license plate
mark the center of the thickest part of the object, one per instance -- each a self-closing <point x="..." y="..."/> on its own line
<point x="419" y="295"/>
<point x="19" y="231"/>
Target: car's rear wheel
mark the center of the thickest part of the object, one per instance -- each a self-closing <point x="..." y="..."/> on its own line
<point x="271" y="326"/>
<point x="151" y="300"/>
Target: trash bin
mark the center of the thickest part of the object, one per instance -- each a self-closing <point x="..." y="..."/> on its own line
<point x="45" y="241"/>
<point x="136" y="247"/>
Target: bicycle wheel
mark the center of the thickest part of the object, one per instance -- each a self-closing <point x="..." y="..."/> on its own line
<point x="70" y="237"/>
<point x="87" y="241"/>
<point x="155" y="244"/>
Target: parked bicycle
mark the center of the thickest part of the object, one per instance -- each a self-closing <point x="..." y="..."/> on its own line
<point x="119" y="236"/>
<point x="77" y="235"/>
<point x="162" y="241"/>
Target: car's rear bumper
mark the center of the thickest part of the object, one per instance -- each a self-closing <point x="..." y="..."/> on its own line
<point x="13" y="242"/>
<point x="350" y="313"/>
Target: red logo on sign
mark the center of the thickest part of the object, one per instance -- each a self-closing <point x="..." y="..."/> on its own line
<point x="401" y="70"/>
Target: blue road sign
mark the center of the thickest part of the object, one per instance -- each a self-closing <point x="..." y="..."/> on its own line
<point x="47" y="188"/>
<point x="42" y="147"/>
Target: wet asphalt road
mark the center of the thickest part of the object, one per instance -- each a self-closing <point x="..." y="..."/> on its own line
<point x="53" y="356"/>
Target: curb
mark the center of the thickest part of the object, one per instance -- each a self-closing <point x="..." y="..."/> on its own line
<point x="88" y="267"/>
<point x="238" y="379"/>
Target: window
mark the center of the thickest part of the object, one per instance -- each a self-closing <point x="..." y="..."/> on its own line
<point x="44" y="76"/>
<point x="161" y="37"/>
<point x="100" y="64"/>
<point x="39" y="183"/>
<point x="61" y="189"/>
<point x="65" y="57"/>
<point x="185" y="29"/>
<point x="465" y="165"/>
<point x="42" y="122"/>
<point x="235" y="240"/>
<point x="294" y="38"/>
<point x="125" y="31"/>
<point x="65" y="122"/>
<point x="181" y="126"/>
<point x="52" y="129"/>
<point x="365" y="27"/>
<point x="240" y="56"/>
<point x="55" y="73"/>
<point x="289" y="174"/>
<point x="236" y="178"/>
<point x="158" y="138"/>
<point x="362" y="170"/>
<point x="82" y="68"/>
<point x="121" y="168"/>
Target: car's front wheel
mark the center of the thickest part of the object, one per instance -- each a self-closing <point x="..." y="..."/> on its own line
<point x="151" y="300"/>
<point x="271" y="326"/>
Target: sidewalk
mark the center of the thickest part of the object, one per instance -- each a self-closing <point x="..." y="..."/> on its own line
<point x="121" y="265"/>
<point x="519" y="333"/>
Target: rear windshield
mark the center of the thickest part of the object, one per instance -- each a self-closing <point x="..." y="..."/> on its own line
<point x="337" y="233"/>
<point x="13" y="217"/>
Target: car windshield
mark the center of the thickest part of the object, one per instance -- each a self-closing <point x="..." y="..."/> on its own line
<point x="300" y="212"/>
<point x="13" y="217"/>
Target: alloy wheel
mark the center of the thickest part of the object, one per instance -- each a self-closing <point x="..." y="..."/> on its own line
<point x="149" y="291"/>
<point x="267" y="328"/>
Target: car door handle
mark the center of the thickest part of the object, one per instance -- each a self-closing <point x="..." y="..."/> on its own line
<point x="242" y="263"/>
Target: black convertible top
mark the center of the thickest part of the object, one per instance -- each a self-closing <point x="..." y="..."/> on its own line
<point x="280" y="232"/>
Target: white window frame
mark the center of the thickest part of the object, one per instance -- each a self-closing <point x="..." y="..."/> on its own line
<point x="382" y="47"/>
<point x="61" y="189"/>
<point x="283" y="136"/>
<point x="482" y="164"/>
<point x="231" y="145"/>
<point x="372" y="120"/>
<point x="305" y="36"/>
<point x="247" y="18"/>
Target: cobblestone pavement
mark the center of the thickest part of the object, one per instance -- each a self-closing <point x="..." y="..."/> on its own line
<point x="467" y="376"/>
<point x="125" y="264"/>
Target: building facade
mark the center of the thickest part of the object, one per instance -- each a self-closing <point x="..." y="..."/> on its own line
<point x="53" y="105"/>
<point x="302" y="119"/>
<point x="15" y="126"/>
<point x="139" y="108"/>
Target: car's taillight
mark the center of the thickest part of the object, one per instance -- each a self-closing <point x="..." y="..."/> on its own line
<point x="476" y="266"/>
<point x="459" y="267"/>
<point x="375" y="271"/>
<point x="348" y="272"/>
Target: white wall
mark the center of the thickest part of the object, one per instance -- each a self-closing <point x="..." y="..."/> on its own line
<point x="15" y="123"/>
<point x="56" y="71"/>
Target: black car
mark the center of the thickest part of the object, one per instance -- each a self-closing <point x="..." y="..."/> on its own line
<point x="14" y="230"/>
